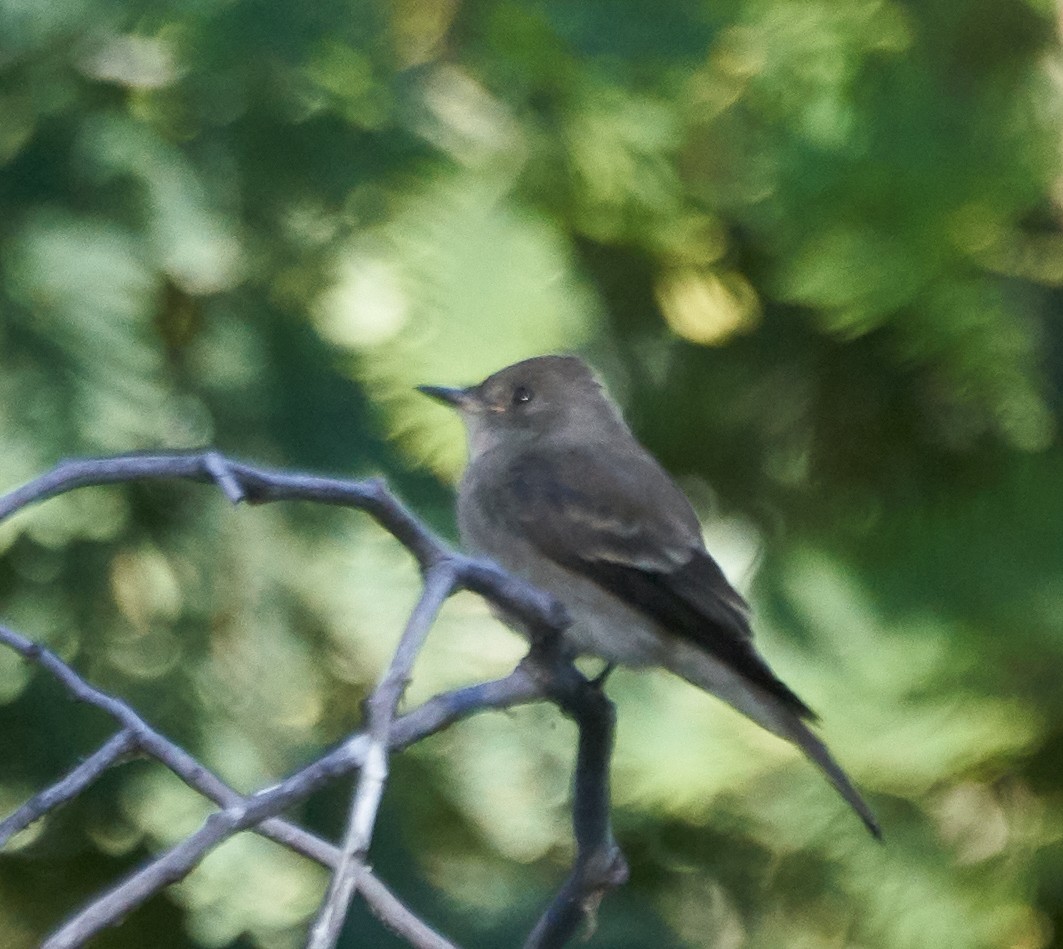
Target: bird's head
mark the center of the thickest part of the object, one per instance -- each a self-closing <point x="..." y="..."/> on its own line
<point x="543" y="397"/>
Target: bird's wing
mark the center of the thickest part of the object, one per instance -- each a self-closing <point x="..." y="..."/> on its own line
<point x="638" y="539"/>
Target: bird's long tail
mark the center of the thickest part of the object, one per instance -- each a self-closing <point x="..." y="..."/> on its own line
<point x="801" y="735"/>
<point x="771" y="711"/>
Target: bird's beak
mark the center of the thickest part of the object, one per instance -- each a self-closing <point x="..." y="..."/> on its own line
<point x="461" y="399"/>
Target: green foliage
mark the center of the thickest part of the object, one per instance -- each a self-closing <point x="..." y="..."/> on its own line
<point x="814" y="247"/>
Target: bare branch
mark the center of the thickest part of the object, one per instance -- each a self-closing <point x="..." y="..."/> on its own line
<point x="394" y="914"/>
<point x="520" y="687"/>
<point x="261" y="485"/>
<point x="545" y="673"/>
<point x="148" y="740"/>
<point x="599" y="865"/>
<point x="138" y="735"/>
<point x="365" y="802"/>
<point x="219" y="469"/>
<point x="176" y="863"/>
<point x="69" y="787"/>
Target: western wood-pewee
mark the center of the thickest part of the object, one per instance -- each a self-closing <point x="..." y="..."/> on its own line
<point x="558" y="491"/>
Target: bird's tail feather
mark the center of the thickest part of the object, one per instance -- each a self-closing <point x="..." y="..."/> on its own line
<point x="768" y="711"/>
<point x="800" y="734"/>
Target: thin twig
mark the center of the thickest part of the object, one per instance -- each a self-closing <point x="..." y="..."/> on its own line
<point x="545" y="673"/>
<point x="365" y="802"/>
<point x="70" y="786"/>
<point x="138" y="735"/>
<point x="176" y="863"/>
<point x="394" y="914"/>
<point x="261" y="485"/>
<point x="218" y="467"/>
<point x="519" y="687"/>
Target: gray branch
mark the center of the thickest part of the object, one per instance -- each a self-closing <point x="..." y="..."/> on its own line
<point x="365" y="804"/>
<point x="434" y="715"/>
<point x="112" y="751"/>
<point x="545" y="674"/>
<point x="600" y="865"/>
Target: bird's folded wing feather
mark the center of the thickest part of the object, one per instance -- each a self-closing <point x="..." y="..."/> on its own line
<point x="638" y="538"/>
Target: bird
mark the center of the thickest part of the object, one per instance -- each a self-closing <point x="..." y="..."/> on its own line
<point x="558" y="491"/>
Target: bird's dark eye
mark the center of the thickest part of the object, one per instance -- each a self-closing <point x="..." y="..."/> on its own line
<point x="522" y="394"/>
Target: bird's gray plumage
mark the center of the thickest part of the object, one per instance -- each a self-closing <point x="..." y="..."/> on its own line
<point x="559" y="491"/>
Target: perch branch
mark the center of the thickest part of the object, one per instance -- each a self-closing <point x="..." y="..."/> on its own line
<point x="261" y="485"/>
<point x="599" y="865"/>
<point x="544" y="673"/>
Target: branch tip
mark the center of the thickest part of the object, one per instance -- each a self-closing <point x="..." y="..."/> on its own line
<point x="220" y="470"/>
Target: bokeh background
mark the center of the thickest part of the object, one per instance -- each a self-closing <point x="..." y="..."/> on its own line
<point x="813" y="246"/>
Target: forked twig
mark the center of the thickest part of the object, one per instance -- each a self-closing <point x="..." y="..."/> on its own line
<point x="365" y="802"/>
<point x="545" y="673"/>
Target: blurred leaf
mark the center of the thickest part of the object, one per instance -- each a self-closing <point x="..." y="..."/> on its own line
<point x="814" y="248"/>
